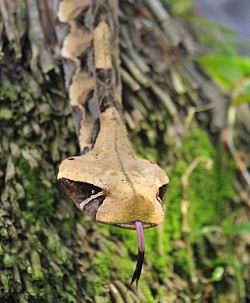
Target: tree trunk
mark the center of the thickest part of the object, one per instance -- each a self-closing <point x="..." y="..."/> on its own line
<point x="49" y="251"/>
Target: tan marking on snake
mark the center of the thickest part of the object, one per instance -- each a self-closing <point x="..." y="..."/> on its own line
<point x="102" y="47"/>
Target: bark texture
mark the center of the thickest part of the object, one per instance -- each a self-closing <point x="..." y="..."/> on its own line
<point x="49" y="252"/>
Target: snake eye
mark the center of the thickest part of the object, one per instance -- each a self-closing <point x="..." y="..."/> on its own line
<point x="162" y="191"/>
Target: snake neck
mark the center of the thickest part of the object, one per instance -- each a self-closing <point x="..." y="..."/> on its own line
<point x="91" y="63"/>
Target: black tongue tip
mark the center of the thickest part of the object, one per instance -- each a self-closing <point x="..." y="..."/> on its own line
<point x="138" y="268"/>
<point x="140" y="257"/>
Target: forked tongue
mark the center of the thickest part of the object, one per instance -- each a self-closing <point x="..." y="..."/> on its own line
<point x="140" y="257"/>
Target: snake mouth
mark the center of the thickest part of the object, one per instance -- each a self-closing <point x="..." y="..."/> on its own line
<point x="131" y="225"/>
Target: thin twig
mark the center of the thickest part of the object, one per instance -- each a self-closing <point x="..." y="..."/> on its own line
<point x="128" y="45"/>
<point x="185" y="178"/>
<point x="204" y="107"/>
<point x="165" y="99"/>
<point x="134" y="70"/>
<point x="165" y="21"/>
<point x="129" y="80"/>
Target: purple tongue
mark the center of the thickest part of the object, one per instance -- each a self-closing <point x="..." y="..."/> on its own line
<point x="140" y="235"/>
<point x="140" y="258"/>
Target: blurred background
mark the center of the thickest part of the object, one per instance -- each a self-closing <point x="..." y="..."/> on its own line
<point x="234" y="14"/>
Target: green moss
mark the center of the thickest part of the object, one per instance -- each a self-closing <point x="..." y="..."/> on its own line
<point x="8" y="260"/>
<point x="67" y="226"/>
<point x="149" y="151"/>
<point x="155" y="241"/>
<point x="181" y="260"/>
<point x="101" y="278"/>
<point x="173" y="198"/>
<point x="38" y="198"/>
<point x="123" y="263"/>
<point x="101" y="266"/>
<point x="55" y="247"/>
<point x="208" y="191"/>
<point x="128" y="237"/>
<point x="37" y="273"/>
<point x="4" y="279"/>
<point x="147" y="292"/>
<point x="124" y="268"/>
<point x="195" y="144"/>
<point x="10" y="92"/>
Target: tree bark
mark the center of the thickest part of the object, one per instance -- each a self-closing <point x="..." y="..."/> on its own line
<point x="49" y="252"/>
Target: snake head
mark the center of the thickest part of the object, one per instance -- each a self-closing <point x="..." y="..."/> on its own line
<point x="112" y="194"/>
<point x="111" y="184"/>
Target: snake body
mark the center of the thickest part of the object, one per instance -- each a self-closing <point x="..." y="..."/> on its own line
<point x="92" y="63"/>
<point x="107" y="181"/>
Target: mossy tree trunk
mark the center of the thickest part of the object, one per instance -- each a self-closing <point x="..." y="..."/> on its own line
<point x="49" y="252"/>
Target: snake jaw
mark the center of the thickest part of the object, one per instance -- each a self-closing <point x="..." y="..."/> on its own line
<point x="141" y="248"/>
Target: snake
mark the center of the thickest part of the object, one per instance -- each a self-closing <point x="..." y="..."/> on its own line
<point x="106" y="181"/>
